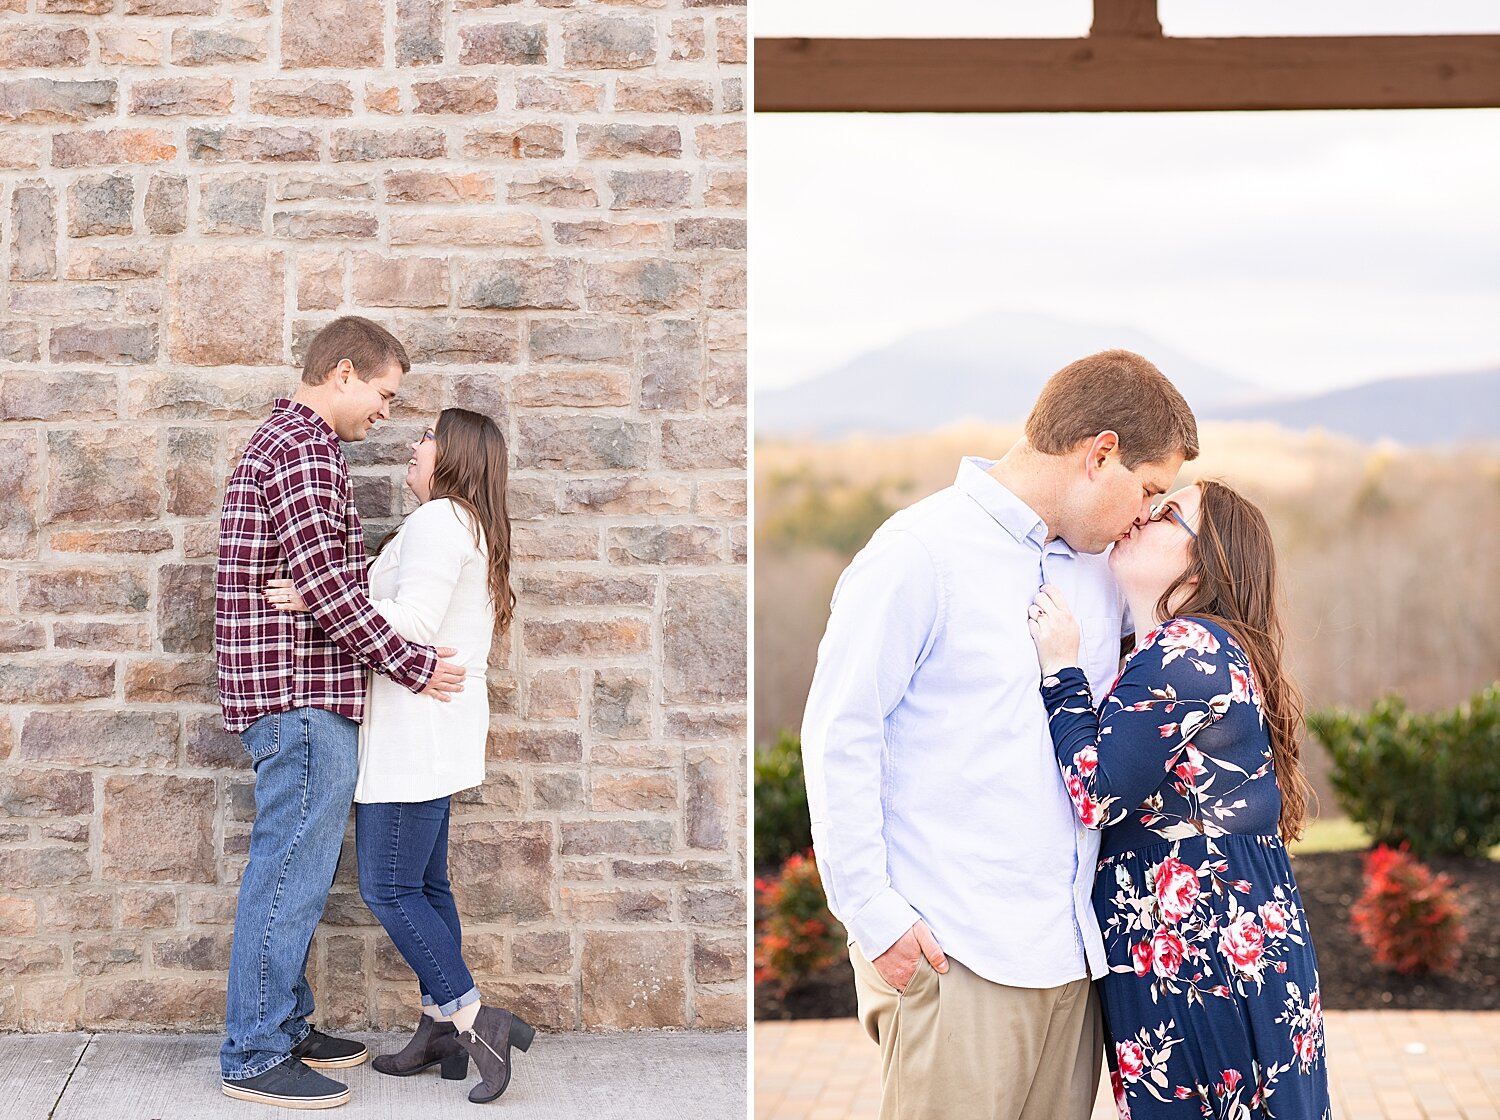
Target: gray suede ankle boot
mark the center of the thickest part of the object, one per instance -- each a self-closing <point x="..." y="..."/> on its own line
<point x="434" y="1042"/>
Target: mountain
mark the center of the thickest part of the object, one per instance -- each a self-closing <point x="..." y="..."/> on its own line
<point x="1445" y="408"/>
<point x="990" y="367"/>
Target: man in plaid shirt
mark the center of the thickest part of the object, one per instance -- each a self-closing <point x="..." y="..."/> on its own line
<point x="293" y="686"/>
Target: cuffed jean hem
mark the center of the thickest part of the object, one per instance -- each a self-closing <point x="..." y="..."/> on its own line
<point x="255" y="1069"/>
<point x="471" y="996"/>
<point x="428" y="1001"/>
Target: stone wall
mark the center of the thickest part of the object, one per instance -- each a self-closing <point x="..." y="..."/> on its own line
<point x="545" y="201"/>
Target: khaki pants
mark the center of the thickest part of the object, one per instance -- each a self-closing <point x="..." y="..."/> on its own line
<point x="959" y="1047"/>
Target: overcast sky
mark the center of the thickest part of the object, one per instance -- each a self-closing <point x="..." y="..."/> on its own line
<point x="1301" y="251"/>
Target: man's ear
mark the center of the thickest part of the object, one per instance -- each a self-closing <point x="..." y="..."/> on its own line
<point x="1099" y="451"/>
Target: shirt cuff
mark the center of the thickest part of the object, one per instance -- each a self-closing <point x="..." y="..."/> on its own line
<point x="418" y="669"/>
<point x="881" y="922"/>
<point x="1070" y="681"/>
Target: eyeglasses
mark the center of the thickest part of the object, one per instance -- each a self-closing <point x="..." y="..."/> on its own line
<point x="427" y="435"/>
<point x="1167" y="509"/>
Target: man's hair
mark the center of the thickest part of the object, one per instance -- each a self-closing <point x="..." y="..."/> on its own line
<point x="1119" y="392"/>
<point x="369" y="347"/>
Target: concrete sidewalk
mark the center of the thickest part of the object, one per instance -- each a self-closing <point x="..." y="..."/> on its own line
<point x="1382" y="1065"/>
<point x="563" y="1076"/>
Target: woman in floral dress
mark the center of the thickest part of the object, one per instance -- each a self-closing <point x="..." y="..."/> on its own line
<point x="1190" y="767"/>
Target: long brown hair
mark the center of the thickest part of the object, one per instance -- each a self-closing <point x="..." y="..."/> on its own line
<point x="470" y="469"/>
<point x="1231" y="579"/>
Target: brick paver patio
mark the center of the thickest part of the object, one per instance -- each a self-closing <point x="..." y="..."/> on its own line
<point x="1384" y="1065"/>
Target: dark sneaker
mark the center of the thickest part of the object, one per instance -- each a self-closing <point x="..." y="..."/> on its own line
<point x="289" y="1085"/>
<point x="323" y="1051"/>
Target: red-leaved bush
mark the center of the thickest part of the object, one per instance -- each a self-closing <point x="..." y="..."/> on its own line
<point x="795" y="935"/>
<point x="1411" y="920"/>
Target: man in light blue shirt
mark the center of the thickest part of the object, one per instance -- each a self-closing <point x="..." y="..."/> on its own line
<point x="944" y="836"/>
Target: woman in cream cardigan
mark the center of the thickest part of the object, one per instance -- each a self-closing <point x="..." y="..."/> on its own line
<point x="442" y="579"/>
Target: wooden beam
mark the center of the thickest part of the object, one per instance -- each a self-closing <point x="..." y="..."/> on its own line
<point x="1125" y="73"/>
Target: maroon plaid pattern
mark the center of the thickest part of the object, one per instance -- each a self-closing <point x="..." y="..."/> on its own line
<point x="289" y="512"/>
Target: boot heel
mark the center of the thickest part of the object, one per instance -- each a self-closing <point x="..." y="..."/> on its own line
<point x="455" y="1067"/>
<point x="521" y="1034"/>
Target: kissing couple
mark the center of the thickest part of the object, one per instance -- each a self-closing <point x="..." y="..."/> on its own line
<point x="1045" y="855"/>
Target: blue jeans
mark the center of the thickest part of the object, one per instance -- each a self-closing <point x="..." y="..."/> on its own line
<point x="306" y="761"/>
<point x="403" y="878"/>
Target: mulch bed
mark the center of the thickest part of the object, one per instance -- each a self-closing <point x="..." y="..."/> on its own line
<point x="1329" y="882"/>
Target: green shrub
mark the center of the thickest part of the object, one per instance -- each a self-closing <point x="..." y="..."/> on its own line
<point x="782" y="826"/>
<point x="1430" y="781"/>
<point x="795" y="935"/>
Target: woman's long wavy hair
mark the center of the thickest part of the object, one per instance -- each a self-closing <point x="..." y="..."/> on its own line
<point x="1231" y="579"/>
<point x="470" y="469"/>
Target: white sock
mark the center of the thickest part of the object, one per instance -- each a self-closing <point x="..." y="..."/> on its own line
<point x="431" y="1011"/>
<point x="464" y="1017"/>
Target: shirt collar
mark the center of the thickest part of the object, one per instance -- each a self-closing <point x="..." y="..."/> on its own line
<point x="1013" y="515"/>
<point x="300" y="410"/>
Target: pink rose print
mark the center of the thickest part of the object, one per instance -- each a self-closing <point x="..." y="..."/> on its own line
<point x="1185" y="635"/>
<point x="1122" y="1106"/>
<point x="1086" y="761"/>
<point x="1167" y="950"/>
<point x="1243" y="942"/>
<point x="1239" y="685"/>
<point x="1086" y="806"/>
<point x="1315" y="1011"/>
<point x="1140" y="956"/>
<point x="1131" y="1059"/>
<point x="1191" y="765"/>
<point x="1273" y="917"/>
<point x="1182" y="1092"/>
<point x="1231" y="1079"/>
<point x="1306" y="1046"/>
<point x="1176" y="889"/>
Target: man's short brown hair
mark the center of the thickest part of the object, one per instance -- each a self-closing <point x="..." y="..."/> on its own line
<point x="369" y="347"/>
<point x="1114" y="391"/>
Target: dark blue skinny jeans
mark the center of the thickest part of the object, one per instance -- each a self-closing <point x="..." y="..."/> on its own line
<point x="403" y="878"/>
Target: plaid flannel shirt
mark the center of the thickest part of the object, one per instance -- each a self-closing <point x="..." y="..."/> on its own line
<point x="289" y="512"/>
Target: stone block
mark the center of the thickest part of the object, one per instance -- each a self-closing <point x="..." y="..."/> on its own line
<point x="103" y="636"/>
<point x="42" y="47"/>
<point x="100" y="738"/>
<point x="704" y="443"/>
<point x="294" y="97"/>
<point x="643" y="285"/>
<point x="171" y="7"/>
<point x="609" y="43"/>
<point x="672" y="361"/>
<point x="503" y="44"/>
<point x="368" y="145"/>
<point x="554" y="694"/>
<point x="626" y="141"/>
<point x="503" y="870"/>
<point x="58" y="396"/>
<point x="400" y="281"/>
<point x="583" y="589"/>
<point x="634" y="980"/>
<point x="89" y="590"/>
<point x="166" y="204"/>
<point x="678" y="96"/>
<point x="127" y="541"/>
<point x="225" y="305"/>
<point x="182" y="97"/>
<point x="115" y="344"/>
<point x="615" y="905"/>
<point x="102" y="474"/>
<point x="464" y="95"/>
<point x="46" y="793"/>
<point x="549" y="952"/>
<point x="703" y="639"/>
<point x="19" y="485"/>
<point x="325" y="225"/>
<point x="33" y="223"/>
<point x="530" y="141"/>
<point x="192" y="474"/>
<point x="726" y="190"/>
<point x="21" y="637"/>
<point x="709" y="233"/>
<point x="332" y="34"/>
<point x="721" y="498"/>
<point x="585" y="637"/>
<point x="718" y="1011"/>
<point x="159" y="828"/>
<point x="114" y="262"/>
<point x="193" y="952"/>
<point x="553" y="341"/>
<point x="721" y="142"/>
<point x="320" y="281"/>
<point x="252" y="144"/>
<point x="509" y="743"/>
<point x="584" y="388"/>
<point x="208" y="746"/>
<point x="168" y="680"/>
<point x="155" y="1002"/>
<point x="100" y="205"/>
<point x="54" y="101"/>
<point x="27" y="958"/>
<point x="218" y="46"/>
<point x="718" y="959"/>
<point x="419" y="32"/>
<point x="30" y="681"/>
<point x="24" y="869"/>
<point x="559" y="95"/>
<point x="383" y="99"/>
<point x="148" y="908"/>
<point x="711" y="790"/>
<point x="466" y="340"/>
<point x="106" y="953"/>
<point x="580" y="443"/>
<point x="620" y="705"/>
<point x="664" y="544"/>
<point x="204" y="396"/>
<point x="687" y="38"/>
<point x="510" y="229"/>
<point x="714" y="906"/>
<point x="112" y="147"/>
<point x="232" y="203"/>
<point x="21" y="153"/>
<point x="651" y="190"/>
<point x="611" y="235"/>
<point x="439" y="186"/>
<point x="18" y="917"/>
<point x="129" y="46"/>
<point x="546" y="284"/>
<point x="305" y="186"/>
<point x="561" y="189"/>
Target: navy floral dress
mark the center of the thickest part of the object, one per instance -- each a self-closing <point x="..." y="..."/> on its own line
<point x="1211" y="1001"/>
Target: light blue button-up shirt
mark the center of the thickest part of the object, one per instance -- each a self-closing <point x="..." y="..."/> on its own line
<point x="931" y="780"/>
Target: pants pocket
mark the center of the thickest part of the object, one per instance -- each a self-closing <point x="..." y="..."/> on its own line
<point x="263" y="737"/>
